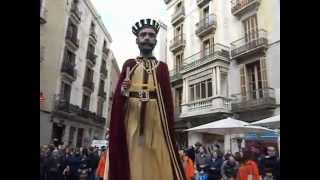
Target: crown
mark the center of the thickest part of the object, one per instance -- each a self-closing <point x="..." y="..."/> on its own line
<point x="143" y="23"/>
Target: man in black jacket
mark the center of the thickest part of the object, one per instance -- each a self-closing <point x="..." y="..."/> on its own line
<point x="93" y="160"/>
<point x="270" y="165"/>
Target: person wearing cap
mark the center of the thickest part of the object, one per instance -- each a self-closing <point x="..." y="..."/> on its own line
<point x="142" y="144"/>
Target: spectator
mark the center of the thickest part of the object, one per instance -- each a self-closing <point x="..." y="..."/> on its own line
<point x="229" y="168"/>
<point x="248" y="168"/>
<point x="102" y="163"/>
<point x="215" y="165"/>
<point x="75" y="162"/>
<point x="93" y="160"/>
<point x="188" y="166"/>
<point x="269" y="165"/>
<point x="54" y="166"/>
<point x="202" y="163"/>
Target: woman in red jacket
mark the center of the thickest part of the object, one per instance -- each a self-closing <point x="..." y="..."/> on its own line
<point x="249" y="168"/>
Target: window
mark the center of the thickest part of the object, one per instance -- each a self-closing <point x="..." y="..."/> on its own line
<point x="251" y="28"/>
<point x="88" y="75"/>
<point x="104" y="44"/>
<point x="191" y="93"/>
<point x="205" y="12"/>
<point x="72" y="30"/>
<point x="69" y="58"/>
<point x="85" y="102"/>
<point x="206" y="47"/>
<point x="100" y="108"/>
<point x="101" y="87"/>
<point x="179" y="62"/>
<point x="201" y="90"/>
<point x="209" y="87"/>
<point x="198" y="91"/>
<point x="65" y="92"/>
<point x="253" y="79"/>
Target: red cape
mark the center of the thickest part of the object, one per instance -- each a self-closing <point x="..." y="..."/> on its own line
<point x="119" y="168"/>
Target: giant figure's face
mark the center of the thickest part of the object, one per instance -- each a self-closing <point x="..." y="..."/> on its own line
<point x="146" y="40"/>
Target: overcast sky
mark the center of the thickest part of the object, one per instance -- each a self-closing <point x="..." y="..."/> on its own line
<point x="119" y="15"/>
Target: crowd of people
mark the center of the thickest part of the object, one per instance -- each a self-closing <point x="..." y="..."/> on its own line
<point x="202" y="163"/>
<point x="64" y="163"/>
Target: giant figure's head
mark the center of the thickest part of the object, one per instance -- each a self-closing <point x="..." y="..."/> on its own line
<point x="146" y="31"/>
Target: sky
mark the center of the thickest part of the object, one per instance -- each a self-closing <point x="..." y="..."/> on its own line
<point x="119" y="16"/>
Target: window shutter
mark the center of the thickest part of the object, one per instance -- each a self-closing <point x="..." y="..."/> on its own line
<point x="243" y="81"/>
<point x="263" y="67"/>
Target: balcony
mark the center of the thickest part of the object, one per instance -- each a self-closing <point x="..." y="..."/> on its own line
<point x="89" y="85"/>
<point x="206" y="25"/>
<point x="91" y="57"/>
<point x="175" y="77"/>
<point x="209" y="55"/>
<point x="201" y="3"/>
<point x="256" y="43"/>
<point x="178" y="16"/>
<point x="69" y="72"/>
<point x="100" y="119"/>
<point x="72" y="41"/>
<point x="75" y="13"/>
<point x="240" y="7"/>
<point x="103" y="72"/>
<point x="178" y="43"/>
<point x="102" y="94"/>
<point x="254" y="100"/>
<point x="208" y="106"/>
<point x="93" y="36"/>
<point x="43" y="15"/>
<point x="76" y="113"/>
<point x="105" y="51"/>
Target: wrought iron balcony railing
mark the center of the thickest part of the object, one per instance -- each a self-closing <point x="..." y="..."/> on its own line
<point x="201" y="3"/>
<point x="75" y="12"/>
<point x="92" y="57"/>
<point x="206" y="25"/>
<point x="178" y="15"/>
<point x="88" y="84"/>
<point x="177" y="43"/>
<point x="252" y="100"/>
<point x="73" y="39"/>
<point x="69" y="69"/>
<point x="175" y="74"/>
<point x="249" y="44"/>
<point x="239" y="7"/>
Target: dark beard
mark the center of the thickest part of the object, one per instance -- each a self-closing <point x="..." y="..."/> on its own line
<point x="144" y="50"/>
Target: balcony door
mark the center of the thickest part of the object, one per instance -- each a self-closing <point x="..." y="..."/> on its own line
<point x="79" y="137"/>
<point x="207" y="48"/>
<point x="179" y="62"/>
<point x="178" y="33"/>
<point x="254" y="80"/>
<point x="250" y="28"/>
<point x="65" y="92"/>
<point x="86" y="102"/>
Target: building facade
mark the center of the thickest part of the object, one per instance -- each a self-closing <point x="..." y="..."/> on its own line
<point x="160" y="51"/>
<point x="224" y="58"/>
<point x="75" y="71"/>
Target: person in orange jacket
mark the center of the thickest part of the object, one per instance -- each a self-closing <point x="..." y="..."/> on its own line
<point x="102" y="164"/>
<point x="188" y="166"/>
<point x="249" y="168"/>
